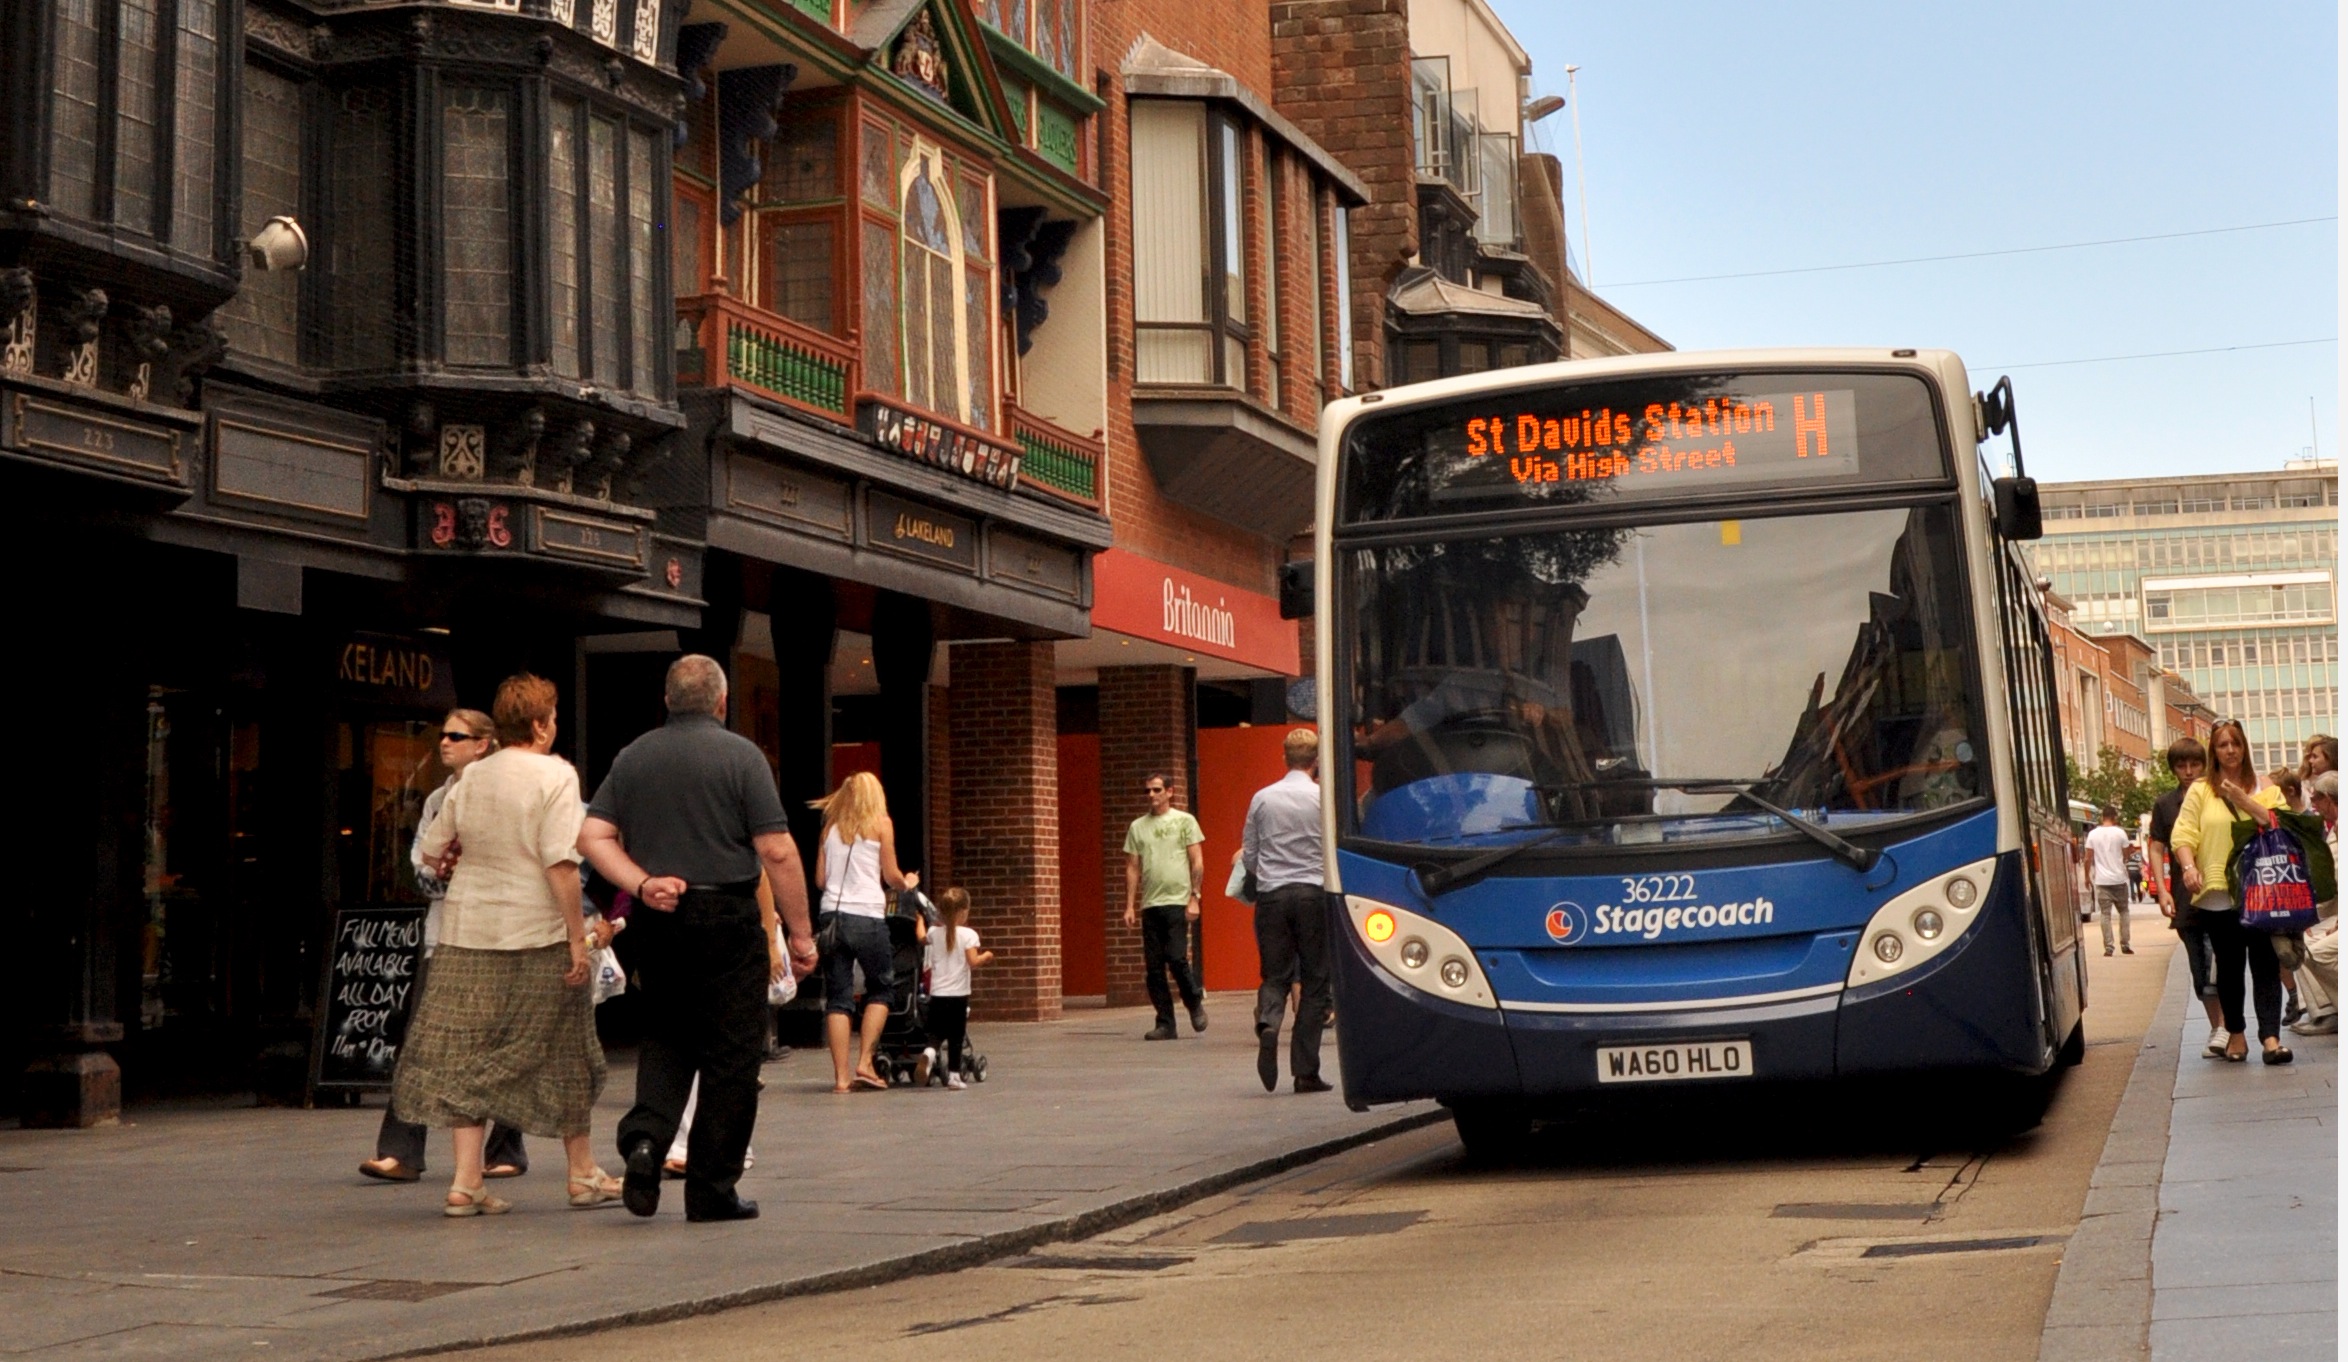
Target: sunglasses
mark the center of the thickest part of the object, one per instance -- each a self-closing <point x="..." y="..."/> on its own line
<point x="458" y="735"/>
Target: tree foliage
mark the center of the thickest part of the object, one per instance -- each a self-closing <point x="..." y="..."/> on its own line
<point x="2111" y="783"/>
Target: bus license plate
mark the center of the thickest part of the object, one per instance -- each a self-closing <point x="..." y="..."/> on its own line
<point x="1673" y="1063"/>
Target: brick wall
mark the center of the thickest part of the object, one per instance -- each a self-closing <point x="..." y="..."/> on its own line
<point x="1342" y="72"/>
<point x="1004" y="758"/>
<point x="941" y="788"/>
<point x="1149" y="723"/>
<point x="1231" y="35"/>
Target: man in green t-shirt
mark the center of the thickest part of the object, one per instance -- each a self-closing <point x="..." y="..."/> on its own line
<point x="1164" y="867"/>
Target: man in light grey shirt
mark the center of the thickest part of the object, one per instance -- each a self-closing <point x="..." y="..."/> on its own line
<point x="1281" y="850"/>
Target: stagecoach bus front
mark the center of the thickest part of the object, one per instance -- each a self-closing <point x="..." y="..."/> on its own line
<point x="1661" y="748"/>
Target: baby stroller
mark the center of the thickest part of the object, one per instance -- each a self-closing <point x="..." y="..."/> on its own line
<point x="906" y="1035"/>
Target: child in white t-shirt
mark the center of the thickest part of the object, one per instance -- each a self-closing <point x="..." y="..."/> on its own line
<point x="950" y="951"/>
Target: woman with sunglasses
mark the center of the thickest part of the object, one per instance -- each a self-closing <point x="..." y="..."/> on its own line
<point x="2204" y="839"/>
<point x="466" y="736"/>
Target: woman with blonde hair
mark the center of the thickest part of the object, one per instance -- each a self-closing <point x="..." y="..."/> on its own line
<point x="856" y="871"/>
<point x="506" y="1028"/>
<point x="2204" y="841"/>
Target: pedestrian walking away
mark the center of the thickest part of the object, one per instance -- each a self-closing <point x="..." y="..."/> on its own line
<point x="950" y="952"/>
<point x="1165" y="863"/>
<point x="506" y="1028"/>
<point x="856" y="871"/>
<point x="466" y="736"/>
<point x="687" y="820"/>
<point x="2205" y="844"/>
<point x="2186" y="757"/>
<point x="1280" y="853"/>
<point x="2107" y="856"/>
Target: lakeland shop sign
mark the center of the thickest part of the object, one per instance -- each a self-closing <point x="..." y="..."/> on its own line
<point x="1142" y="598"/>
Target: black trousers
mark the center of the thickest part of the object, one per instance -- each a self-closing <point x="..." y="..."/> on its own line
<point x="702" y="974"/>
<point x="1292" y="941"/>
<point x="2237" y="946"/>
<point x="404" y="1140"/>
<point x="1165" y="945"/>
<point x="949" y="1026"/>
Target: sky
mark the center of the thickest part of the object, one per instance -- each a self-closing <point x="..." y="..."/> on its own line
<point x="1734" y="138"/>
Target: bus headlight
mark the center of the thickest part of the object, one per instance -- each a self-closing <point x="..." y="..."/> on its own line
<point x="1404" y="942"/>
<point x="1919" y="924"/>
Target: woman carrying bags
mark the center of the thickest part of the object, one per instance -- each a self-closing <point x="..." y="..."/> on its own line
<point x="2204" y="839"/>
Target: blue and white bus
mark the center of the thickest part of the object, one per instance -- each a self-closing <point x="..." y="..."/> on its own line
<point x="1688" y="719"/>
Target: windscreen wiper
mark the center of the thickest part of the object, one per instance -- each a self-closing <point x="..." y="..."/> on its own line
<point x="1850" y="853"/>
<point x="1434" y="880"/>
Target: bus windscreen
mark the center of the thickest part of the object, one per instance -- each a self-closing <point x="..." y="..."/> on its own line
<point x="1646" y="439"/>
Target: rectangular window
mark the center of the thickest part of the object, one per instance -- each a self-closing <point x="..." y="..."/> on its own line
<point x="1274" y="202"/>
<point x="799" y="265"/>
<point x="197" y="85"/>
<point x="135" y="115"/>
<point x="879" y="256"/>
<point x="562" y="227"/>
<point x="1316" y="337"/>
<point x="478" y="270"/>
<point x="604" y="269"/>
<point x="1341" y="244"/>
<point x="264" y="319"/>
<point x="359" y="278"/>
<point x="685" y="245"/>
<point x="644" y="330"/>
<point x="1230" y="254"/>
<point x="803" y="165"/>
<point x="73" y="111"/>
<point x="1170" y="251"/>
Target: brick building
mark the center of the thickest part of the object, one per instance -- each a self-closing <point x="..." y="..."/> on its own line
<point x="2113" y="692"/>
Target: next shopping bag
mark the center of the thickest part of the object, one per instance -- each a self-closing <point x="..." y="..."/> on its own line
<point x="2277" y="874"/>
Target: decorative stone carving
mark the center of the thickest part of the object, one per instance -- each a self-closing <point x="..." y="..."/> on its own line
<point x="463" y="452"/>
<point x="83" y="316"/>
<point x="473" y="522"/>
<point x="920" y="58"/>
<point x="20" y="304"/>
<point x="514" y="456"/>
<point x="565" y="454"/>
<point x="644" y="37"/>
<point x="629" y="485"/>
<point x="421" y="452"/>
<point x="611" y="454"/>
<point x="195" y="348"/>
<point x="749" y="102"/>
<point x="149" y="329"/>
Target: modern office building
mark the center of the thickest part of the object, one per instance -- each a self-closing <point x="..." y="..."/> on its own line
<point x="2232" y="578"/>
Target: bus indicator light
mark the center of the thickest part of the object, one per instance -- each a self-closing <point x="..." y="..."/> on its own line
<point x="1379" y="927"/>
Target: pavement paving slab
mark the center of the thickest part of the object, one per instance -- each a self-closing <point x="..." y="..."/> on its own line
<point x="211" y="1231"/>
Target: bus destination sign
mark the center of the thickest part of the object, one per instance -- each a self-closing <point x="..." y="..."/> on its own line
<point x="1727" y="438"/>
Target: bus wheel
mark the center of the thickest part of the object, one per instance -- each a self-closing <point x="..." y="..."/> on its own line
<point x="2074" y="1051"/>
<point x="1493" y="1133"/>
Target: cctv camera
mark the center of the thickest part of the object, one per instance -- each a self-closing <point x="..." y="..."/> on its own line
<point x="281" y="244"/>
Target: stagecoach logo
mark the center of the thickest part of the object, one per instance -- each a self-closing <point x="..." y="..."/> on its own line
<point x="1567" y="923"/>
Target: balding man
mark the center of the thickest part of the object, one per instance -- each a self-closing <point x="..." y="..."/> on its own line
<point x="1281" y="849"/>
<point x="686" y="821"/>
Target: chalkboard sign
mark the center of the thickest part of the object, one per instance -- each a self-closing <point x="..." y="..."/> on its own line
<point x="372" y="974"/>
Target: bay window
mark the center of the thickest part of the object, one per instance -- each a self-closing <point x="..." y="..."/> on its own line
<point x="148" y="160"/>
<point x="1189" y="261"/>
<point x="604" y="222"/>
<point x="928" y="282"/>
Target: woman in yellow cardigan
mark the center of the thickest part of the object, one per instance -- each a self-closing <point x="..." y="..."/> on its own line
<point x="2204" y="841"/>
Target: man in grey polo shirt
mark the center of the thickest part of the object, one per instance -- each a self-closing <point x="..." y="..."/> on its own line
<point x="686" y="822"/>
<point x="1281" y="848"/>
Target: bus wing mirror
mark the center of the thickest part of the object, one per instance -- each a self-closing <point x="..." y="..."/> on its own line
<point x="2017" y="508"/>
<point x="1296" y="590"/>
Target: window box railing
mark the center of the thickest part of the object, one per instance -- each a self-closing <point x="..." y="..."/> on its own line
<point x="733" y="344"/>
<point x="1057" y="460"/>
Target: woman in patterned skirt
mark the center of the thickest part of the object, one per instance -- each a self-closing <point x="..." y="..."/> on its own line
<point x="506" y="1029"/>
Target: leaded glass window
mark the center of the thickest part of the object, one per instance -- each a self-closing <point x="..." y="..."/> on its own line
<point x="477" y="235"/>
<point x="685" y="244"/>
<point x="264" y="319"/>
<point x="605" y="268"/>
<point x="73" y="106"/>
<point x="644" y="329"/>
<point x="803" y="165"/>
<point x="135" y="114"/>
<point x="562" y="227"/>
<point x="878" y="169"/>
<point x="359" y="280"/>
<point x="799" y="272"/>
<point x="879" y="256"/>
<point x="197" y="84"/>
<point x="933" y="310"/>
